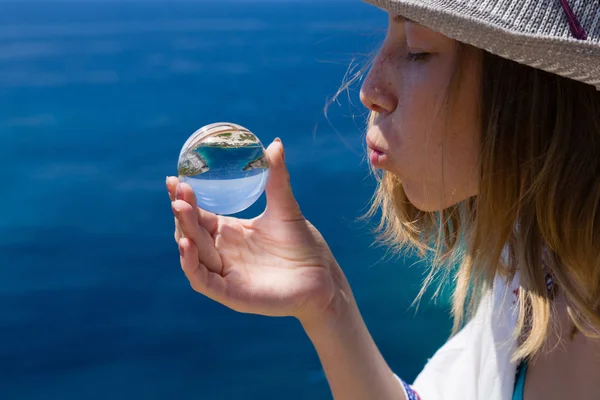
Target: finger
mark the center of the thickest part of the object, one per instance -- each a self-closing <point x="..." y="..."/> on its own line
<point x="207" y="219"/>
<point x="172" y="186"/>
<point x="172" y="183"/>
<point x="201" y="279"/>
<point x="187" y="217"/>
<point x="177" y="234"/>
<point x="281" y="203"/>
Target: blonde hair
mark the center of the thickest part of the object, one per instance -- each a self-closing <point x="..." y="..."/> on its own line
<point x="538" y="204"/>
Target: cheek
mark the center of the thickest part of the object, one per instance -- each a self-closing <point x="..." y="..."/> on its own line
<point x="437" y="142"/>
<point x="461" y="154"/>
<point x="460" y="164"/>
<point x="443" y="164"/>
<point x="419" y="127"/>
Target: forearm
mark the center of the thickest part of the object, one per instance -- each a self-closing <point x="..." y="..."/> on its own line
<point x="353" y="365"/>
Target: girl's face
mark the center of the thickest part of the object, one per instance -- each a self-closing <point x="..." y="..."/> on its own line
<point x="432" y="145"/>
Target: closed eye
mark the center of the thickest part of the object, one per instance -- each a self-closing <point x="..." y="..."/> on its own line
<point x="416" y="56"/>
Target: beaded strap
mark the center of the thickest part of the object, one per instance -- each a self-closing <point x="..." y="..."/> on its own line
<point x="411" y="394"/>
<point x="576" y="29"/>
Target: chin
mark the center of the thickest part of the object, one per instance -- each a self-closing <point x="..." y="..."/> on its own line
<point x="427" y="200"/>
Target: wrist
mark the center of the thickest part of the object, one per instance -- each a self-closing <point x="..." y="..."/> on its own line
<point x="353" y="365"/>
<point x="340" y="313"/>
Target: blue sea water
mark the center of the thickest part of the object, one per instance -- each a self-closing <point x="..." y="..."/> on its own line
<point x="229" y="162"/>
<point x="96" y="100"/>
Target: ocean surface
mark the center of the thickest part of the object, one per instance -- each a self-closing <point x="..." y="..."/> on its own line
<point x="230" y="162"/>
<point x="96" y="100"/>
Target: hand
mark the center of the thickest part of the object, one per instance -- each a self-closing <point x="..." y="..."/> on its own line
<point x="276" y="264"/>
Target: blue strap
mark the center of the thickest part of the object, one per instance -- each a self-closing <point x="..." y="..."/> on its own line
<point x="520" y="382"/>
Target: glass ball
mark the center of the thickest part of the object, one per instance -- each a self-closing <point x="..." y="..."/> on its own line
<point x="226" y="166"/>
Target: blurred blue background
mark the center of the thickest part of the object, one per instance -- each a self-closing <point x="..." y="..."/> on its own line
<point x="96" y="99"/>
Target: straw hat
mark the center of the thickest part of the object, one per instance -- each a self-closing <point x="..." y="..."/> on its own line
<point x="558" y="36"/>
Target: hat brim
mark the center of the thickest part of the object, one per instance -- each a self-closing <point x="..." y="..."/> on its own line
<point x="564" y="56"/>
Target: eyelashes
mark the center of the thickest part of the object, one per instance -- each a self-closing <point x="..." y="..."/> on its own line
<point x="416" y="56"/>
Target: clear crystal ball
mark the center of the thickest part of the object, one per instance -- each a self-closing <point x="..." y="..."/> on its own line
<point x="226" y="166"/>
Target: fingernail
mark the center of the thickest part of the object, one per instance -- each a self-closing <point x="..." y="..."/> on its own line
<point x="178" y="194"/>
<point x="277" y="140"/>
<point x="175" y="211"/>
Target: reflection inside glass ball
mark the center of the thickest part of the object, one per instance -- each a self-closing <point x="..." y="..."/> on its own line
<point x="226" y="166"/>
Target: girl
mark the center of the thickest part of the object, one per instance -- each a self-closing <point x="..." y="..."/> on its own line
<point x="485" y="132"/>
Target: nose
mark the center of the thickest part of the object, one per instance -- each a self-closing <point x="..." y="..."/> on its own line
<point x="377" y="90"/>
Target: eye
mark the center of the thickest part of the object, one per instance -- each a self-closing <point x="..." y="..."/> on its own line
<point x="416" y="56"/>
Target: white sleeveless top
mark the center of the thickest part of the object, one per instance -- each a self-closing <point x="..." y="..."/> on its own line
<point x="475" y="363"/>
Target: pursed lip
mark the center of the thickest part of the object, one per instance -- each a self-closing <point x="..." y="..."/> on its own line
<point x="377" y="155"/>
<point x="374" y="147"/>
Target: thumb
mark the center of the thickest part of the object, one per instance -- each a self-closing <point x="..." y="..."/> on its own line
<point x="281" y="203"/>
